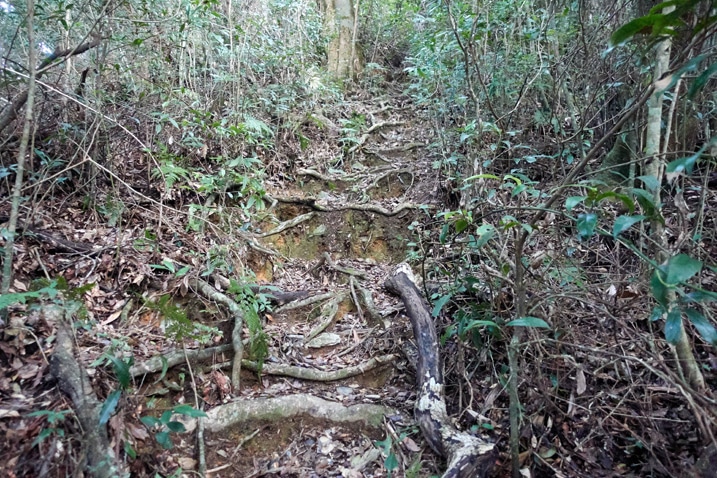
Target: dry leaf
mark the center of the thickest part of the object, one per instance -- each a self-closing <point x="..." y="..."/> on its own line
<point x="582" y="386"/>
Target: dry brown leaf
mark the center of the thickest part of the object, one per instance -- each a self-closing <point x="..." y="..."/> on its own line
<point x="582" y="385"/>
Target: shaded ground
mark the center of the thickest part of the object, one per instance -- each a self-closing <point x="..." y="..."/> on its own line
<point x="599" y="393"/>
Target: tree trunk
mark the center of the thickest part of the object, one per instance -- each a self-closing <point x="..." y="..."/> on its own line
<point x="655" y="167"/>
<point x="339" y="27"/>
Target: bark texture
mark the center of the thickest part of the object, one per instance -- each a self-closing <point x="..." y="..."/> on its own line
<point x="467" y="455"/>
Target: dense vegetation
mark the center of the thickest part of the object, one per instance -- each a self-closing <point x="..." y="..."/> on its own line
<point x="562" y="216"/>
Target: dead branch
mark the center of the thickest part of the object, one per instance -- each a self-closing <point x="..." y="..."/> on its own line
<point x="11" y="111"/>
<point x="280" y="408"/>
<point x="75" y="383"/>
<point x="467" y="455"/>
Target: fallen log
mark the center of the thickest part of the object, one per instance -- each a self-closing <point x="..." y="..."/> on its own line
<point x="467" y="455"/>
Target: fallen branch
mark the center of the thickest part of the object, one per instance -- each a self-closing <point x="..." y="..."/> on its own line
<point x="467" y="455"/>
<point x="280" y="408"/>
<point x="75" y="383"/>
<point x="19" y="101"/>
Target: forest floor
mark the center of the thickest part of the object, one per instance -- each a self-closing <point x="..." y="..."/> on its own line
<point x="596" y="403"/>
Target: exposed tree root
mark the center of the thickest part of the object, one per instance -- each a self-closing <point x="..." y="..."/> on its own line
<point x="75" y="383"/>
<point x="467" y="455"/>
<point x="212" y="294"/>
<point x="319" y="375"/>
<point x="272" y="293"/>
<point x="326" y="259"/>
<point x="372" y="312"/>
<point x="156" y="364"/>
<point x="368" y="132"/>
<point x="287" y="225"/>
<point x="328" y="179"/>
<point x="353" y="206"/>
<point x="303" y="303"/>
<point x="280" y="408"/>
<point x="328" y="313"/>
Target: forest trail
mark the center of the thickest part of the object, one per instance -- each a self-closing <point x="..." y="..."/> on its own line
<point x="338" y="228"/>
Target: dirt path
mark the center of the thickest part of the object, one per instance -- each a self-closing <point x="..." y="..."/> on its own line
<point x="338" y="228"/>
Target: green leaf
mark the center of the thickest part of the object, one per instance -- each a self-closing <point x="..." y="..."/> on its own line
<point x="528" y="322"/>
<point x="647" y="201"/>
<point x="642" y="25"/>
<point x="391" y="462"/>
<point x="486" y="233"/>
<point x="109" y="406"/>
<point x="443" y="300"/>
<point x="164" y="439"/>
<point x="681" y="268"/>
<point x="121" y="369"/>
<point x="573" y="201"/>
<point x="650" y="182"/>
<point x="673" y="326"/>
<point x="586" y="225"/>
<point x="129" y="450"/>
<point x="682" y="165"/>
<point x="623" y="223"/>
<point x="657" y="313"/>
<point x="384" y="445"/>
<point x="481" y="176"/>
<point x="623" y="198"/>
<point x="461" y="225"/>
<point x="699" y="83"/>
<point x="166" y="416"/>
<point x="150" y="421"/>
<point x="703" y="326"/>
<point x="177" y="427"/>
<point x="697" y="296"/>
<point x="444" y="234"/>
<point x="659" y="289"/>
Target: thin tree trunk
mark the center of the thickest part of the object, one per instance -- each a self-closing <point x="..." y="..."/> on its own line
<point x="655" y="167"/>
<point x="25" y="139"/>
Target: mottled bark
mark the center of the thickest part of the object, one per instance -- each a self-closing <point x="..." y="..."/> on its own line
<point x="467" y="455"/>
